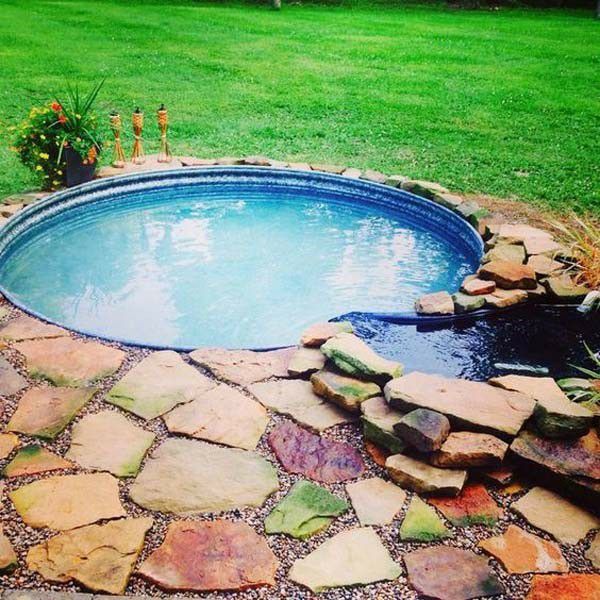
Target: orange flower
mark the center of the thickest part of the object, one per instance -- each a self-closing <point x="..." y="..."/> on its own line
<point x="92" y="154"/>
<point x="56" y="107"/>
<point x="62" y="119"/>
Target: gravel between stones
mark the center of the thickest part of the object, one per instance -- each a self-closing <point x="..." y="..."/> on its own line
<point x="285" y="548"/>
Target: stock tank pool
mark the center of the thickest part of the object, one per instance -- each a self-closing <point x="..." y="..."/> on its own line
<point x="236" y="257"/>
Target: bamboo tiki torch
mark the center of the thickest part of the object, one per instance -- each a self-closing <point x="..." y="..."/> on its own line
<point x="164" y="154"/>
<point x="137" y="156"/>
<point x="118" y="154"/>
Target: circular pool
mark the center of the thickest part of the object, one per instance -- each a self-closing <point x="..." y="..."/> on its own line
<point x="237" y="257"/>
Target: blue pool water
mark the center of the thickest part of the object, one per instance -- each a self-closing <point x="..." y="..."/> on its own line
<point x="244" y="262"/>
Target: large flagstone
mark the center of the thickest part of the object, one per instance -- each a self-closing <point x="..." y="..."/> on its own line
<point x="347" y="392"/>
<point x="27" y="328"/>
<point x="470" y="404"/>
<point x="306" y="509"/>
<point x="68" y="501"/>
<point x="298" y="400"/>
<point x="33" y="459"/>
<point x="69" y="362"/>
<point x="243" y="367"/>
<point x="223" y="415"/>
<point x="375" y="501"/>
<point x="353" y="557"/>
<point x="565" y="587"/>
<point x="45" y="411"/>
<point x="157" y="384"/>
<point x="8" y="557"/>
<point x="473" y="506"/>
<point x="189" y="477"/>
<point x="100" y="557"/>
<point x="108" y="441"/>
<point x="303" y="452"/>
<point x="8" y="442"/>
<point x="210" y="556"/>
<point x="422" y="524"/>
<point x="11" y="381"/>
<point x="451" y="574"/>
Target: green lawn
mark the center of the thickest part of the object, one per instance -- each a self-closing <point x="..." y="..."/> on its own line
<point x="503" y="102"/>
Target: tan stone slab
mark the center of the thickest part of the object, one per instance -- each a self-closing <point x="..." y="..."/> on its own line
<point x="222" y="415"/>
<point x="157" y="384"/>
<point x="305" y="361"/>
<point x="8" y="442"/>
<point x="465" y="449"/>
<point x="107" y="441"/>
<point x="438" y="303"/>
<point x="472" y="404"/>
<point x="298" y="400"/>
<point x="541" y="245"/>
<point x="27" y="328"/>
<point x="8" y="557"/>
<point x="34" y="459"/>
<point x="517" y="232"/>
<point x="545" y="265"/>
<point x="65" y="361"/>
<point x="11" y="381"/>
<point x="509" y="275"/>
<point x="68" y="501"/>
<point x="593" y="551"/>
<point x="553" y="514"/>
<point x="505" y="298"/>
<point x="376" y="501"/>
<point x="100" y="557"/>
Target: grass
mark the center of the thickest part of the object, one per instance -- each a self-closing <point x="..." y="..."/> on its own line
<point x="505" y="103"/>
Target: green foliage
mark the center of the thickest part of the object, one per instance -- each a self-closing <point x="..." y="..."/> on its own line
<point x="592" y="395"/>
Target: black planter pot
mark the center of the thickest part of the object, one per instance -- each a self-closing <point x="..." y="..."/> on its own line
<point x="77" y="172"/>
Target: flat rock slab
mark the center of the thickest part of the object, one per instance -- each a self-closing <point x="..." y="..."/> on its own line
<point x="438" y="303"/>
<point x="191" y="477"/>
<point x="563" y="288"/>
<point x="352" y="356"/>
<point x="316" y="335"/>
<point x="157" y="384"/>
<point x="423" y="478"/>
<point x="523" y="552"/>
<point x="8" y="442"/>
<point x="27" y="328"/>
<point x="578" y="457"/>
<point x="243" y="367"/>
<point x="210" y="556"/>
<point x="305" y="361"/>
<point x="478" y="287"/>
<point x="34" y="459"/>
<point x="8" y="557"/>
<point x="298" y="400"/>
<point x="593" y="552"/>
<point x="553" y="514"/>
<point x="65" y="502"/>
<point x="69" y="362"/>
<point x="45" y="411"/>
<point x="545" y="266"/>
<point x="424" y="429"/>
<point x="422" y="524"/>
<point x="100" y="557"/>
<point x="107" y="441"/>
<point x="467" y="403"/>
<point x="465" y="449"/>
<point x="509" y="275"/>
<point x="306" y="510"/>
<point x="378" y="454"/>
<point x="347" y="392"/>
<point x="353" y="557"/>
<point x="565" y="587"/>
<point x="514" y="233"/>
<point x="303" y="452"/>
<point x="376" y="501"/>
<point x="379" y="419"/>
<point x="473" y="506"/>
<point x="506" y="252"/>
<point x="223" y="415"/>
<point x="504" y="298"/>
<point x="11" y="381"/>
<point x="451" y="574"/>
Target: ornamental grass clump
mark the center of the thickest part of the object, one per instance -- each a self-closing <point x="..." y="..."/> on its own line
<point x="42" y="140"/>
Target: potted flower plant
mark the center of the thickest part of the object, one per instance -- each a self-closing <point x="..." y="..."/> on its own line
<point x="61" y="141"/>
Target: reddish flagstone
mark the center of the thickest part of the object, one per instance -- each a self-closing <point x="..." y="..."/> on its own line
<point x="301" y="451"/>
<point x="509" y="275"/>
<point x="377" y="453"/>
<point x="449" y="573"/>
<point x="206" y="556"/>
<point x="522" y="552"/>
<point x="573" y="586"/>
<point x="472" y="506"/>
<point x="316" y="335"/>
<point x="33" y="459"/>
<point x="28" y="328"/>
<point x="501" y="476"/>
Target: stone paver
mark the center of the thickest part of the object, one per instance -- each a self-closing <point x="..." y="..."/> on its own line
<point x="424" y="429"/>
<point x="11" y="381"/>
<point x="307" y="509"/>
<point x="565" y="587"/>
<point x="478" y="287"/>
<point x="157" y="384"/>
<point x="305" y="361"/>
<point x="201" y="478"/>
<point x="451" y="574"/>
<point x="303" y="452"/>
<point x="438" y="303"/>
<point x="523" y="552"/>
<point x="375" y="501"/>
<point x="100" y="557"/>
<point x="509" y="275"/>
<point x="563" y="288"/>
<point x="353" y="557"/>
<point x="25" y="327"/>
<point x="422" y="523"/>
<point x="465" y="449"/>
<point x="473" y="506"/>
<point x="347" y="392"/>
<point x="469" y="403"/>
<point x="69" y="362"/>
<point x="8" y="442"/>
<point x="8" y="557"/>
<point x="222" y="414"/>
<point x="316" y="335"/>
<point x="553" y="514"/>
<point x="243" y="367"/>
<point x="210" y="556"/>
<point x="65" y="502"/>
<point x="107" y="441"/>
<point x="298" y="400"/>
<point x="378" y="419"/>
<point x="593" y="551"/>
<point x="45" y="411"/>
<point x="33" y="459"/>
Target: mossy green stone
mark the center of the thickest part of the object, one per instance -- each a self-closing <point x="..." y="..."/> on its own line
<point x="376" y="434"/>
<point x="347" y="392"/>
<point x="307" y="509"/>
<point x="422" y="524"/>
